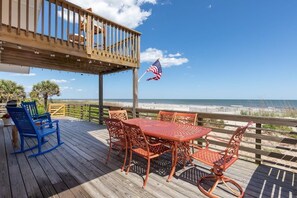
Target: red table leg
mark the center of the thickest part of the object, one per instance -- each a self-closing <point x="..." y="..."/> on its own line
<point x="174" y="161"/>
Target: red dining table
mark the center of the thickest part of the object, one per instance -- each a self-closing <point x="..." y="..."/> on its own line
<point x="177" y="133"/>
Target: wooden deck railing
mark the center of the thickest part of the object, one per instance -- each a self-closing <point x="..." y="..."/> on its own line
<point x="63" y="24"/>
<point x="271" y="141"/>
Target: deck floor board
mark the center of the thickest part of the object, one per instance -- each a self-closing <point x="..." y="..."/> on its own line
<point x="78" y="169"/>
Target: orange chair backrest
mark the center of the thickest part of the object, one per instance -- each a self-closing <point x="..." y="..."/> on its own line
<point x="234" y="143"/>
<point x="136" y="136"/>
<point x="165" y="116"/>
<point x="115" y="129"/>
<point x="118" y="114"/>
<point x="185" y="118"/>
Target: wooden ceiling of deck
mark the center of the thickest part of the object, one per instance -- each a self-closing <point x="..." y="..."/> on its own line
<point x="29" y="56"/>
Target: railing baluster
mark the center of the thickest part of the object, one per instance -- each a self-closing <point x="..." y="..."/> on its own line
<point x="93" y="32"/>
<point x="19" y="17"/>
<point x="68" y="24"/>
<point x="56" y="21"/>
<point x="79" y="28"/>
<point x="9" y="15"/>
<point x="89" y="34"/>
<point x="1" y="15"/>
<point x="42" y="19"/>
<point x="89" y="113"/>
<point x="105" y="36"/>
<point x="132" y="47"/>
<point x="62" y="24"/>
<point x="102" y="35"/>
<point x="27" y="17"/>
<point x="258" y="142"/>
<point x="109" y="27"/>
<point x="35" y="18"/>
<point x="49" y="20"/>
<point x="124" y="43"/>
<point x="73" y="28"/>
<point x="138" y="49"/>
<point x="98" y="29"/>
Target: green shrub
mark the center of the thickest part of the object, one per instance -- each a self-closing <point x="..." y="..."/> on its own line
<point x="277" y="127"/>
<point x="215" y="123"/>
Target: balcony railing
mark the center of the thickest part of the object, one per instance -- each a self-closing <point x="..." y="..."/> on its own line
<point x="61" y="23"/>
<point x="271" y="141"/>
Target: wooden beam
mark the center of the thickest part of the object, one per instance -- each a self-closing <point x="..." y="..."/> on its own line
<point x="135" y="91"/>
<point x="101" y="99"/>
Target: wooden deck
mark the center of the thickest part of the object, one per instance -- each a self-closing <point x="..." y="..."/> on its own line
<point x="78" y="169"/>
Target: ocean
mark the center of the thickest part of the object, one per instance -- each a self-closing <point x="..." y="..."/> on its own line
<point x="218" y="102"/>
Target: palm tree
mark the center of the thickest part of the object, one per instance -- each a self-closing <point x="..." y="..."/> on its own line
<point x="43" y="90"/>
<point x="10" y="90"/>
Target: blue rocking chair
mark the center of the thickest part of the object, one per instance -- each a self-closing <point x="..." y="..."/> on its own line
<point x="27" y="128"/>
<point x="32" y="109"/>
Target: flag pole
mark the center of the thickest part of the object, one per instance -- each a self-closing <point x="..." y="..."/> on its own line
<point x="142" y="76"/>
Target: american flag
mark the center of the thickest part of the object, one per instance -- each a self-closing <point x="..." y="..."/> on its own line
<point x="156" y="69"/>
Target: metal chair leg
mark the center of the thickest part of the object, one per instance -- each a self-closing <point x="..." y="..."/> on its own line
<point x="147" y="172"/>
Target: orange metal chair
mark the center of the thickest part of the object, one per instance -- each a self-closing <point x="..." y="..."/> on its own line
<point x="165" y="116"/>
<point x="117" y="138"/>
<point x="185" y="118"/>
<point x="220" y="162"/>
<point x="139" y="144"/>
<point x="118" y="114"/>
<point x="184" y="148"/>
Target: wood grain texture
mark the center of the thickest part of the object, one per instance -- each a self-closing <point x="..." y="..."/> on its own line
<point x="78" y="169"/>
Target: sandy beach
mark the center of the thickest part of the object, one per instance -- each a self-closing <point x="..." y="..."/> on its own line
<point x="235" y="109"/>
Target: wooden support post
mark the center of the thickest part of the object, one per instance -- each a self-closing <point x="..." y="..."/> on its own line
<point x="200" y="123"/>
<point x="135" y="91"/>
<point x="101" y="99"/>
<point x="258" y="143"/>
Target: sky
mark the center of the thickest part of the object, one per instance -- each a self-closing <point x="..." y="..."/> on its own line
<point x="209" y="49"/>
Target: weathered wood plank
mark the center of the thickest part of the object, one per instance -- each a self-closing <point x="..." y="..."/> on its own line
<point x="4" y="181"/>
<point x="42" y="179"/>
<point x="78" y="169"/>
<point x="164" y="190"/>
<point x="60" y="187"/>
<point x="16" y="180"/>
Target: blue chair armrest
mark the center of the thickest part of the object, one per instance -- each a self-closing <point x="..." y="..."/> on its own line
<point x="45" y="115"/>
<point x="49" y="124"/>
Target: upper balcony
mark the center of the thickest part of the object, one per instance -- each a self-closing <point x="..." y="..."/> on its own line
<point x="56" y="34"/>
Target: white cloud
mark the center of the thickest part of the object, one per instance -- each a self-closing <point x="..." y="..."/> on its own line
<point x="128" y="12"/>
<point x="29" y="75"/>
<point x="152" y="54"/>
<point x="174" y="55"/>
<point x="58" y="81"/>
<point x="79" y="90"/>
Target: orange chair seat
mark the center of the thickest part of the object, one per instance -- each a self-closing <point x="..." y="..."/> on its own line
<point x="212" y="158"/>
<point x="154" y="151"/>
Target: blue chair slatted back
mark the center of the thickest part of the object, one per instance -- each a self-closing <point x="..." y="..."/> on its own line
<point x="31" y="108"/>
<point x="22" y="120"/>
